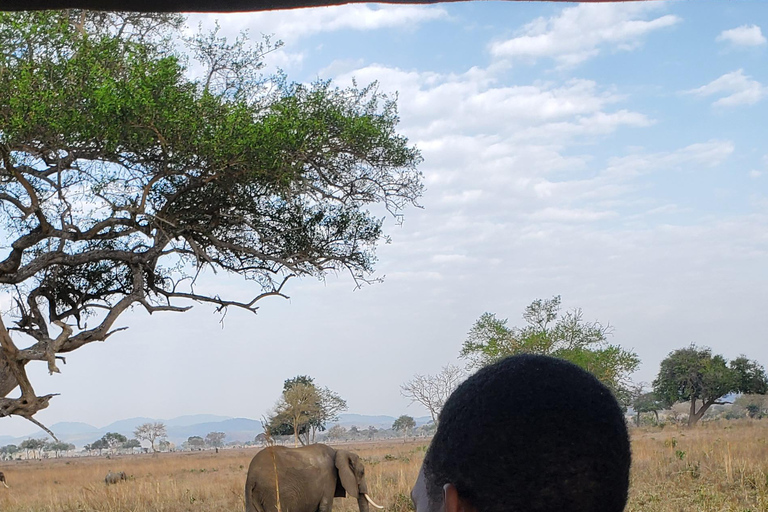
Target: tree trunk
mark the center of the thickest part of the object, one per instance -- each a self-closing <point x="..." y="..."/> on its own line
<point x="692" y="413"/>
<point x="696" y="416"/>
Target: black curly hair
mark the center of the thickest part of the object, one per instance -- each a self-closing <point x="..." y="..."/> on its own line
<point x="531" y="433"/>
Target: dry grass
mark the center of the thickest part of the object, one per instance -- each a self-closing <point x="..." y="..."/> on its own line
<point x="714" y="467"/>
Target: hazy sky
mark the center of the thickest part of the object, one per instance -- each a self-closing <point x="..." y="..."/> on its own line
<point x="616" y="155"/>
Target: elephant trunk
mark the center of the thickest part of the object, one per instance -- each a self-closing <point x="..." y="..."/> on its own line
<point x="362" y="503"/>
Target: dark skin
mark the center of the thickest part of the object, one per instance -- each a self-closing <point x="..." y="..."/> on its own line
<point x="308" y="479"/>
<point x="451" y="502"/>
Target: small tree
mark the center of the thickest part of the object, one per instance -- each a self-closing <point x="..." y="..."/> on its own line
<point x="131" y="444"/>
<point x="696" y="376"/>
<point x="99" y="444"/>
<point x="404" y="424"/>
<point x="113" y="440"/>
<point x="371" y="432"/>
<point x="151" y="432"/>
<point x="755" y="406"/>
<point x="8" y="451"/>
<point x="215" y="439"/>
<point x="548" y="332"/>
<point x="196" y="442"/>
<point x="432" y="391"/>
<point x="336" y="432"/>
<point x="646" y="402"/>
<point x="329" y="406"/>
<point x="298" y="405"/>
<point x="303" y="409"/>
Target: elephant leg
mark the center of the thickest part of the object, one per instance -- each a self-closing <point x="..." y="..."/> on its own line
<point x="326" y="504"/>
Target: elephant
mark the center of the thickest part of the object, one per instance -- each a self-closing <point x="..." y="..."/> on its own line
<point x="2" y="479"/>
<point x="308" y="478"/>
<point x="113" y="478"/>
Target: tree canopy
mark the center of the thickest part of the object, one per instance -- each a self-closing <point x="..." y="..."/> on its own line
<point x="123" y="177"/>
<point x="404" y="424"/>
<point x="303" y="409"/>
<point x="548" y="332"/>
<point x="151" y="432"/>
<point x="695" y="375"/>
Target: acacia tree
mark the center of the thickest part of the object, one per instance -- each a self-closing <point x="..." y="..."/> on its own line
<point x="404" y="424"/>
<point x="293" y="412"/>
<point x="697" y="376"/>
<point x="327" y="409"/>
<point x="548" y="332"/>
<point x="432" y="391"/>
<point x="122" y="179"/>
<point x="215" y="439"/>
<point x="336" y="432"/>
<point x="646" y="402"/>
<point x="113" y="440"/>
<point x="151" y="432"/>
<point x="195" y="442"/>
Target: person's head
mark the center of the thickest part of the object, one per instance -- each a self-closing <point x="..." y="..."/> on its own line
<point x="529" y="433"/>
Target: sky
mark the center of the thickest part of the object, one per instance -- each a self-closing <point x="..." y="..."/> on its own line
<point x="615" y="155"/>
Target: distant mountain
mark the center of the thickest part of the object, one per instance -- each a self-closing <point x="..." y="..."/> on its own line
<point x="6" y="440"/>
<point x="194" y="419"/>
<point x="182" y="428"/>
<point x="126" y="427"/>
<point x="385" y="422"/>
<point x="236" y="429"/>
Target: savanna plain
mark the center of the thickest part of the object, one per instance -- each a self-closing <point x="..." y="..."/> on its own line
<point x="716" y="466"/>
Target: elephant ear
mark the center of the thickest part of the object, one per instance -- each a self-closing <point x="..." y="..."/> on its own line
<point x="345" y="464"/>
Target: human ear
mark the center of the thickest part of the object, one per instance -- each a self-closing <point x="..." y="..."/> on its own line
<point x="452" y="502"/>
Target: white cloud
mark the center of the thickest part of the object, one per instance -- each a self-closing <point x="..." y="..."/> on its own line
<point x="297" y="23"/>
<point x="736" y="88"/>
<point x="569" y="215"/>
<point x="449" y="258"/>
<point x="745" y="35"/>
<point x="707" y="154"/>
<point x="754" y="173"/>
<point x="582" y="32"/>
<point x="436" y="106"/>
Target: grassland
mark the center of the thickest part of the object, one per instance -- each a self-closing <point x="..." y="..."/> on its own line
<point x="719" y="466"/>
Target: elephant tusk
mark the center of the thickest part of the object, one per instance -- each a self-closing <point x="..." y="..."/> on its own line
<point x="6" y="485"/>
<point x="371" y="501"/>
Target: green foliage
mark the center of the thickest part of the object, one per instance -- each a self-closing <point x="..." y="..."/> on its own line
<point x="8" y="451"/>
<point x="756" y="406"/>
<point x="196" y="442"/>
<point x="404" y="424"/>
<point x="304" y="409"/>
<point x="121" y="178"/>
<point x="112" y="440"/>
<point x="58" y="447"/>
<point x="33" y="445"/>
<point x="131" y="444"/>
<point x="694" y="374"/>
<point x="547" y="332"/>
<point x="215" y="439"/>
